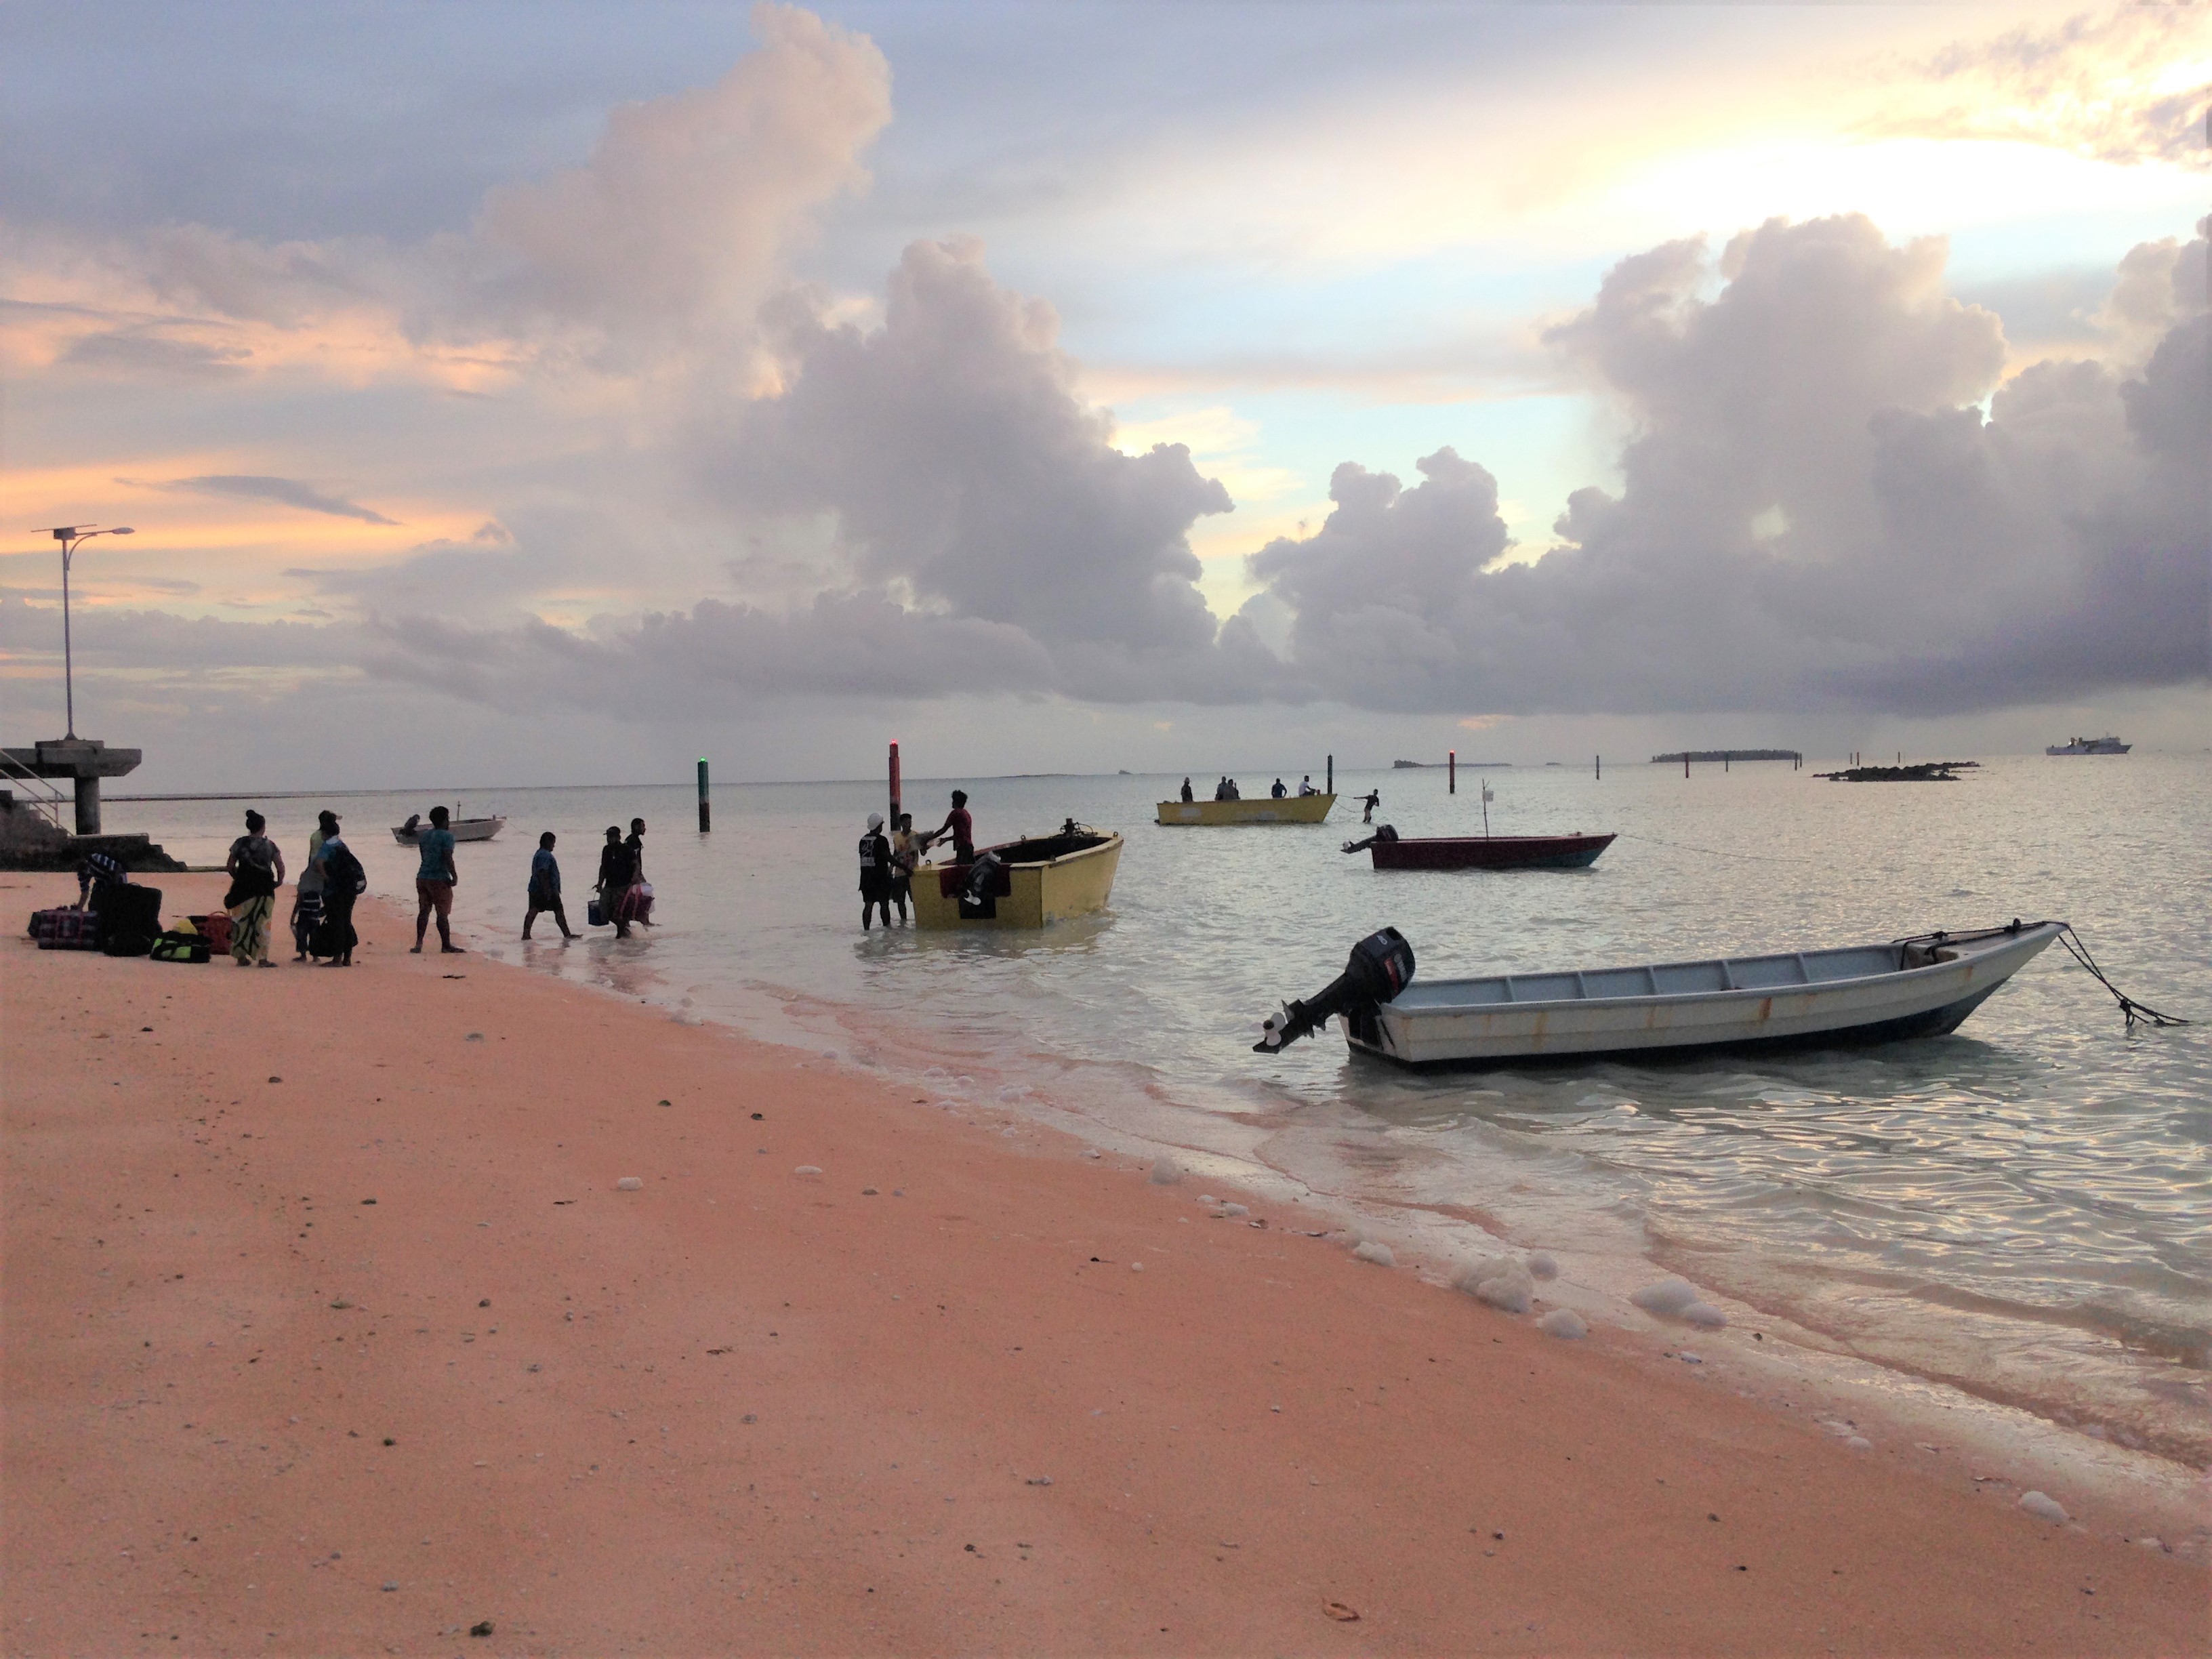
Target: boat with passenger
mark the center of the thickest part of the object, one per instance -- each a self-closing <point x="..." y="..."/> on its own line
<point x="1923" y="986"/>
<point x="1027" y="883"/>
<point x="1265" y="809"/>
<point x="462" y="828"/>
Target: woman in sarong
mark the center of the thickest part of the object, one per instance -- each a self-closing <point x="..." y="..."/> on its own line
<point x="257" y="871"/>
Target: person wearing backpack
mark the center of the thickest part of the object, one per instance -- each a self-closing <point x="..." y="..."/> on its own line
<point x="344" y="881"/>
<point x="257" y="871"/>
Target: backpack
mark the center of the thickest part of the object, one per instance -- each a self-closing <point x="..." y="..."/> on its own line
<point x="343" y="871"/>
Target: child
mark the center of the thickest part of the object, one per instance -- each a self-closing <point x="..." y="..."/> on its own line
<point x="545" y="888"/>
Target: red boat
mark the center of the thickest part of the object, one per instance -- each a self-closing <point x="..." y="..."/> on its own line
<point x="1390" y="850"/>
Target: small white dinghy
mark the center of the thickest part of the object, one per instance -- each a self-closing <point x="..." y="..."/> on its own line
<point x="1911" y="988"/>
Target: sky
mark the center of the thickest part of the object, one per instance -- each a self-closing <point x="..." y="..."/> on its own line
<point x="553" y="393"/>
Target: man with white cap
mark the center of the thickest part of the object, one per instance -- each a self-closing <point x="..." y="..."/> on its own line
<point x="875" y="872"/>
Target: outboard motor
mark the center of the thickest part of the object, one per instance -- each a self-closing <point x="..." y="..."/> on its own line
<point x="1381" y="965"/>
<point x="1382" y="832"/>
<point x="980" y="875"/>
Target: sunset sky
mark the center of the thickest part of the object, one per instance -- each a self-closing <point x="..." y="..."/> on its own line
<point x="555" y="393"/>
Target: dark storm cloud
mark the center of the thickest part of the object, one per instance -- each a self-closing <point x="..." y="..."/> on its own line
<point x="289" y="492"/>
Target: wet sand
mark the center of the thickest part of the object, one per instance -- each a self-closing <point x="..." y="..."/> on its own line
<point x="328" y="1330"/>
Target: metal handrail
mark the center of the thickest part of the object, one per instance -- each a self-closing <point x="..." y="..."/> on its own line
<point x="43" y="796"/>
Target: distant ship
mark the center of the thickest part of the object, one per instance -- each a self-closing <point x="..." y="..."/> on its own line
<point x="2090" y="746"/>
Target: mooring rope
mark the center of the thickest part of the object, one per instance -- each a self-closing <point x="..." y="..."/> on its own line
<point x="2134" y="1010"/>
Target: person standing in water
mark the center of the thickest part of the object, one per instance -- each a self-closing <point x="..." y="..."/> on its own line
<point x="614" y="879"/>
<point x="905" y="854"/>
<point x="1373" y="800"/>
<point x="637" y="899"/>
<point x="875" y="872"/>
<point x="434" y="882"/>
<point x="545" y="889"/>
<point x="960" y="827"/>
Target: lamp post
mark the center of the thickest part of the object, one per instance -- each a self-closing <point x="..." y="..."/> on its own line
<point x="71" y="537"/>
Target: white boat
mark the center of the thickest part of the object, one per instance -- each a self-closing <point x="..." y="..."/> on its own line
<point x="2090" y="746"/>
<point x="1912" y="987"/>
<point x="463" y="829"/>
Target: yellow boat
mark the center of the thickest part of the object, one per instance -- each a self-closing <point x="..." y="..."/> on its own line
<point x="1291" y="809"/>
<point x="1029" y="882"/>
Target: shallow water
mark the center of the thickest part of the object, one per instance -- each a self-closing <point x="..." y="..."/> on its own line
<point x="2024" y="1207"/>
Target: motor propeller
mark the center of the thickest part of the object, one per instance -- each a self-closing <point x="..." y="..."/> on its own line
<point x="1381" y="966"/>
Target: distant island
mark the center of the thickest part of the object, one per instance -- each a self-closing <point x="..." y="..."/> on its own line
<point x="1680" y="755"/>
<point x="1408" y="766"/>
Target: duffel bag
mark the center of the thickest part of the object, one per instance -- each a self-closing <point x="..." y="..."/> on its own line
<point x="216" y="925"/>
<point x="178" y="946"/>
<point x="44" y="922"/>
<point x="71" y="930"/>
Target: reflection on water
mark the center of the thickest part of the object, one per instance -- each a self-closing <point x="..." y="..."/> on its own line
<point x="2022" y="1206"/>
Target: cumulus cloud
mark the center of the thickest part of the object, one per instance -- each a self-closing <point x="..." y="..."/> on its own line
<point x="289" y="492"/>
<point x="1812" y="511"/>
<point x="672" y="233"/>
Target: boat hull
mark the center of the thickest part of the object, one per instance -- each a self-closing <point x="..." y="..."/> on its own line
<point x="1038" y="893"/>
<point x="1291" y="809"/>
<point x="1489" y="852"/>
<point x="1444" y="1025"/>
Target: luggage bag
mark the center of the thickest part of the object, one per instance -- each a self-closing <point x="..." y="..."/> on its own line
<point x="130" y="919"/>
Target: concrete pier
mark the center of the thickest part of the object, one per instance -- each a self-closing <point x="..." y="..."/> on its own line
<point x="83" y="761"/>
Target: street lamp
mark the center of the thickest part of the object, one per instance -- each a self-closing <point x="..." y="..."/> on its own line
<point x="71" y="536"/>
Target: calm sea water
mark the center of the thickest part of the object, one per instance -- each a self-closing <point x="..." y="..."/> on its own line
<point x="2024" y="1208"/>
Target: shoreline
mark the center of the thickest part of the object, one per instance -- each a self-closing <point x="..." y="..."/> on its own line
<point x="747" y="1405"/>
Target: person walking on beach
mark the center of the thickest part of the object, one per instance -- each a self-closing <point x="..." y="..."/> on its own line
<point x="545" y="889"/>
<point x="434" y="883"/>
<point x="344" y="881"/>
<point x="960" y="827"/>
<point x="875" y="872"/>
<point x="905" y="854"/>
<point x="257" y="871"/>
<point x="308" y="891"/>
<point x="1187" y="795"/>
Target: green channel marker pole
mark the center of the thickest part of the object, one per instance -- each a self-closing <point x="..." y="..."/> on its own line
<point x="705" y="821"/>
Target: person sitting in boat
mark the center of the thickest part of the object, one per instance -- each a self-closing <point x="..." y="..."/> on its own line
<point x="1305" y="787"/>
<point x="1279" y="792"/>
<point x="960" y="827"/>
<point x="1187" y="795"/>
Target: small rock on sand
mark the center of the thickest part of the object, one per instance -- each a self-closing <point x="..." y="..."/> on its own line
<point x="629" y="1184"/>
<point x="807" y="1169"/>
<point x="1379" y="1254"/>
<point x="1508" y="1292"/>
<point x="1859" y="1443"/>
<point x="2044" y="1507"/>
<point x="1704" y="1316"/>
<point x="1166" y="1172"/>
<point x="1136" y="1267"/>
<point x="1667" y="1298"/>
<point x="1542" y="1266"/>
<point x="1564" y="1323"/>
<point x="1234" y="1209"/>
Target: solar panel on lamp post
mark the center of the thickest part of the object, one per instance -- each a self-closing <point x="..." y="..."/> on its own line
<point x="71" y="536"/>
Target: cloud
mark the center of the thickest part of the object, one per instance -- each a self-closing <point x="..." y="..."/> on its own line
<point x="665" y="241"/>
<point x="1812" y="513"/>
<point x="2131" y="86"/>
<point x="290" y="492"/>
<point x="961" y="464"/>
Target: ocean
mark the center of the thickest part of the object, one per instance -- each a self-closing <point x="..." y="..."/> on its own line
<point x="2022" y="1210"/>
